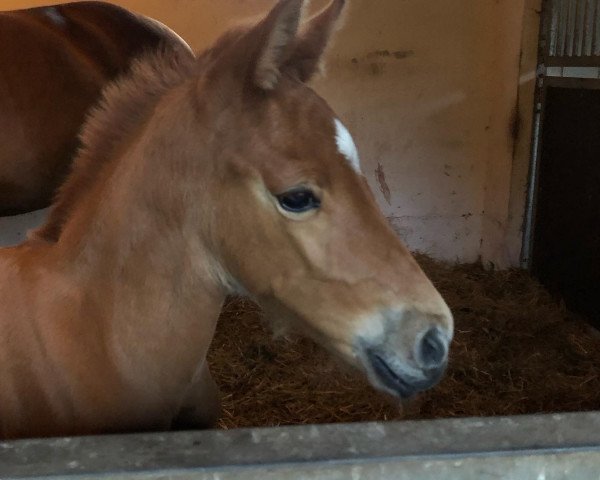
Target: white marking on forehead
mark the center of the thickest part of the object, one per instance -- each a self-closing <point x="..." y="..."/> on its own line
<point x="345" y="144"/>
<point x="53" y="14"/>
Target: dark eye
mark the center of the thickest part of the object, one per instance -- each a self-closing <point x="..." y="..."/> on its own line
<point x="298" y="201"/>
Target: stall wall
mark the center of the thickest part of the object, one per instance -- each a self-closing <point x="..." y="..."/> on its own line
<point x="430" y="92"/>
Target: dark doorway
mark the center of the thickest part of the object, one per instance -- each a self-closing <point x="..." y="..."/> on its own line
<point x="566" y="241"/>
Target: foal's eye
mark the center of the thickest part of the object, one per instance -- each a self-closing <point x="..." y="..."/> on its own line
<point x="298" y="201"/>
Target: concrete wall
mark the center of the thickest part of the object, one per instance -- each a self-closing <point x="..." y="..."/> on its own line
<point x="429" y="90"/>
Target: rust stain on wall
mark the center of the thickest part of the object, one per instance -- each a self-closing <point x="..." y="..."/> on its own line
<point x="383" y="186"/>
<point x="377" y="68"/>
<point x="377" y="61"/>
<point x="398" y="54"/>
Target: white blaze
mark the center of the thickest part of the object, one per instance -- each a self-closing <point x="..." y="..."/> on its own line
<point x="346" y="145"/>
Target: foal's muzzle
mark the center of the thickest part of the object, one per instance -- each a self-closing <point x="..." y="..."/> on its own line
<point x="397" y="379"/>
<point x="406" y="360"/>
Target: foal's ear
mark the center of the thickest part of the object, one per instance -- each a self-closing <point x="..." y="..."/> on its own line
<point x="305" y="58"/>
<point x="277" y="33"/>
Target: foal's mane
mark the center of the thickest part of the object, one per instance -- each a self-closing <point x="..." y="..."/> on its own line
<point x="124" y="105"/>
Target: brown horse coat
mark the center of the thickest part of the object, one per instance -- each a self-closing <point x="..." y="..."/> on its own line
<point x="54" y="62"/>
<point x="201" y="178"/>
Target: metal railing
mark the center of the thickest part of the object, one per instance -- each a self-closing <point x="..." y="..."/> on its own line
<point x="573" y="32"/>
<point x="556" y="447"/>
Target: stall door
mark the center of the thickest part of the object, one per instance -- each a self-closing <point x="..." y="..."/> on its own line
<point x="564" y="248"/>
<point x="566" y="253"/>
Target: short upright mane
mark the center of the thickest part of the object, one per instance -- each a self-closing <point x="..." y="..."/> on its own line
<point x="124" y="105"/>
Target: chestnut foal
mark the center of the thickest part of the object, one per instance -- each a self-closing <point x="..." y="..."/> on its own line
<point x="198" y="179"/>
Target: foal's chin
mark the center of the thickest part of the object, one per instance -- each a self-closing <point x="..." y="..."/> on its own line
<point x="388" y="367"/>
<point x="394" y="380"/>
<point x="386" y="372"/>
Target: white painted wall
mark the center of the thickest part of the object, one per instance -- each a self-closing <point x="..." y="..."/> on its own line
<point x="429" y="90"/>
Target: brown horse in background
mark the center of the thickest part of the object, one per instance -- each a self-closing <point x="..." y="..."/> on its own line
<point x="200" y="178"/>
<point x="54" y="62"/>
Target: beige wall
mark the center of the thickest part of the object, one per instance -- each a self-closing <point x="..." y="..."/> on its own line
<point x="429" y="90"/>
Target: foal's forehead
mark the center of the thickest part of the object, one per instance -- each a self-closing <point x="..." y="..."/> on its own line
<point x="315" y="127"/>
<point x="341" y="140"/>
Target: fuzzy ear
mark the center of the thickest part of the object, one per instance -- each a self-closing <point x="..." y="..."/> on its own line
<point x="278" y="32"/>
<point x="305" y="58"/>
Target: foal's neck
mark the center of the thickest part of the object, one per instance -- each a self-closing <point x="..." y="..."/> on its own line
<point x="140" y="257"/>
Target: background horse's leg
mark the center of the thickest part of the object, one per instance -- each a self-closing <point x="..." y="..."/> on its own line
<point x="201" y="407"/>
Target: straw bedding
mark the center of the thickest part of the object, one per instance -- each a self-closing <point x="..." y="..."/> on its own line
<point x="516" y="350"/>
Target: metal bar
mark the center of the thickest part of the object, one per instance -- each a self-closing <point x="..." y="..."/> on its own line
<point x="572" y="17"/>
<point x="530" y="210"/>
<point x="597" y="29"/>
<point x="553" y="31"/>
<point x="548" y="8"/>
<point x="563" y="11"/>
<point x="590" y="6"/>
<point x="579" y="28"/>
<point x="560" y="446"/>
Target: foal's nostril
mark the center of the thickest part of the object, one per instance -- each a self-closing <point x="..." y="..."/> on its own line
<point x="431" y="352"/>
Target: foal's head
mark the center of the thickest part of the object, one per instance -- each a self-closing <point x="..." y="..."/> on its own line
<point x="296" y="225"/>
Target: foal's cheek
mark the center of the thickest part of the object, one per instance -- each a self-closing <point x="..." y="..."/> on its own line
<point x="310" y="241"/>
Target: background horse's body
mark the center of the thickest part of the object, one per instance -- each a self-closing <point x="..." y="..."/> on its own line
<point x="54" y="61"/>
<point x="198" y="179"/>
